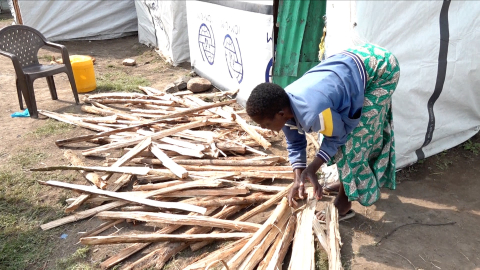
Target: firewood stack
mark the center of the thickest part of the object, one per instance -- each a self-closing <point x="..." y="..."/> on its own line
<point x="193" y="165"/>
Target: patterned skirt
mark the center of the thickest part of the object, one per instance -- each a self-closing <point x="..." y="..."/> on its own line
<point x="366" y="162"/>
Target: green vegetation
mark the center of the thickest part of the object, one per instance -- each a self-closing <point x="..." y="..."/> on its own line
<point x="472" y="147"/>
<point x="52" y="127"/>
<point x="120" y="82"/>
<point x="76" y="261"/>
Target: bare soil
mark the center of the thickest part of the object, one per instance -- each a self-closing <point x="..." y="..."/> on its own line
<point x="442" y="189"/>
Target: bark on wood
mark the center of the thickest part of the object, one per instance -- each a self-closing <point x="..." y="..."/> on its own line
<point x="181" y="220"/>
<point x="251" y="199"/>
<point x="168" y="162"/>
<point x="169" y="205"/>
<point x="262" y="207"/>
<point x="147" y="238"/>
<point x="259" y="235"/>
<point x="259" y="251"/>
<point x="220" y="254"/>
<point x="112" y="119"/>
<point x="273" y="261"/>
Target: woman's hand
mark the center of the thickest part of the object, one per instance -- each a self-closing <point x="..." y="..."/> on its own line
<point x="297" y="190"/>
<point x="310" y="173"/>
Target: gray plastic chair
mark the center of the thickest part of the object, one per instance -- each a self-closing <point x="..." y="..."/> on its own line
<point x="21" y="44"/>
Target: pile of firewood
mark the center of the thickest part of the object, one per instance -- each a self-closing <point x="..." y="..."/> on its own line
<point x="188" y="162"/>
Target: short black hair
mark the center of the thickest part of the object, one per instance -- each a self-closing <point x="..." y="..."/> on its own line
<point x="266" y="100"/>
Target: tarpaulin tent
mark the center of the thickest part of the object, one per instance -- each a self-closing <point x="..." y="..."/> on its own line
<point x="163" y="25"/>
<point x="67" y="20"/>
<point x="436" y="105"/>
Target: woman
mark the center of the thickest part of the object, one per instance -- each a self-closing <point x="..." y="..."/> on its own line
<point x="347" y="98"/>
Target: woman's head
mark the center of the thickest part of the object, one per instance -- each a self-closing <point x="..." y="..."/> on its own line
<point x="269" y="106"/>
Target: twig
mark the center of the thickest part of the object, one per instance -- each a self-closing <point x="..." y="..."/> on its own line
<point x="414" y="223"/>
<point x="215" y="262"/>
<point x="414" y="267"/>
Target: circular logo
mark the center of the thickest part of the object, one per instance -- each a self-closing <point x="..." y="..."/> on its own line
<point x="233" y="57"/>
<point x="268" y="71"/>
<point x="206" y="43"/>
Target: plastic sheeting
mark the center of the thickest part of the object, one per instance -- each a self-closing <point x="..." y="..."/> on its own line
<point x="231" y="43"/>
<point x="163" y="24"/>
<point x="90" y="20"/>
<point x="436" y="105"/>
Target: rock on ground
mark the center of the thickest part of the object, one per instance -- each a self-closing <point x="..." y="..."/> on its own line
<point x="198" y="84"/>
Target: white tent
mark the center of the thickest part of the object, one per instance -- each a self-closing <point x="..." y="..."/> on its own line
<point x="436" y="105"/>
<point x="163" y="25"/>
<point x="91" y="20"/>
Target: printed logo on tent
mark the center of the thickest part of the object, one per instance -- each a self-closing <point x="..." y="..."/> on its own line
<point x="233" y="57"/>
<point x="268" y="71"/>
<point x="206" y="42"/>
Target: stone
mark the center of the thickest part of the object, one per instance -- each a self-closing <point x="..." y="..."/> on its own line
<point x="181" y="82"/>
<point x="129" y="62"/>
<point x="198" y="85"/>
<point x="170" y="88"/>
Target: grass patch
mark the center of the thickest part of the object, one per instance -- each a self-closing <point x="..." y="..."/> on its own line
<point x="76" y="261"/>
<point x="120" y="82"/>
<point x="472" y="147"/>
<point x="24" y="206"/>
<point x="52" y="127"/>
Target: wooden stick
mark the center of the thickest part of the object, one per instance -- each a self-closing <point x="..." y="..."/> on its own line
<point x="333" y="237"/>
<point x="202" y="162"/>
<point x="259" y="235"/>
<point x="217" y="255"/>
<point x="133" y="101"/>
<point x="147" y="238"/>
<point x="181" y="220"/>
<point x="239" y="168"/>
<point x="73" y="121"/>
<point x="277" y="252"/>
<point x="258" y="253"/>
<point x="168" y="162"/>
<point x="265" y="205"/>
<point x="103" y="227"/>
<point x="157" y="136"/>
<point x="91" y="177"/>
<point x="252" y="132"/>
<point x="302" y="249"/>
<point x="169" y="205"/>
<point x="81" y="215"/>
<point x="129" y="170"/>
<point x="254" y="186"/>
<point x="103" y="134"/>
<point x="218" y="111"/>
<point x="208" y="192"/>
<point x="158" y="186"/>
<point x="319" y="230"/>
<point x="111" y="119"/>
<point x="251" y="199"/>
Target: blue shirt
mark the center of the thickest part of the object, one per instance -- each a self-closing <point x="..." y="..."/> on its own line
<point x="327" y="99"/>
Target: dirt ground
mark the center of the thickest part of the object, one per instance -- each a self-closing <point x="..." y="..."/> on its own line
<point x="440" y="190"/>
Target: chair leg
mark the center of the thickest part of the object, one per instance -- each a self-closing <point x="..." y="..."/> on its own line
<point x="29" y="96"/>
<point x="73" y="85"/>
<point x="19" y="94"/>
<point x="51" y="86"/>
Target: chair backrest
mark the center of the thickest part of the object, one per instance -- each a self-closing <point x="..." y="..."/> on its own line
<point x="22" y="41"/>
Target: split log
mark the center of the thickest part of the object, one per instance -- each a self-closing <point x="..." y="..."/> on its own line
<point x="217" y="255"/>
<point x="264" y="206"/>
<point x="91" y="177"/>
<point x="181" y="150"/>
<point x="129" y="170"/>
<point x="259" y="235"/>
<point x="158" y="186"/>
<point x="207" y="192"/>
<point x="218" y="111"/>
<point x="251" y="199"/>
<point x="181" y="220"/>
<point x="133" y="101"/>
<point x="319" y="230"/>
<point x="169" y="205"/>
<point x="276" y="255"/>
<point x="258" y="253"/>
<point x="168" y="162"/>
<point x="333" y="237"/>
<point x="106" y="111"/>
<point x="147" y="238"/>
<point x="119" y="113"/>
<point x="203" y="162"/>
<point x="252" y="132"/>
<point x="112" y="119"/>
<point x="253" y="186"/>
<point x="157" y="136"/>
<point x="302" y="249"/>
<point x="81" y="215"/>
<point x="103" y="134"/>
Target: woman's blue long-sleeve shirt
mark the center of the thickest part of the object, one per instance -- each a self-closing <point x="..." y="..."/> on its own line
<point x="327" y="99"/>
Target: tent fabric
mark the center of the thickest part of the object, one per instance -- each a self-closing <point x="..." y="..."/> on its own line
<point x="90" y="20"/>
<point x="435" y="106"/>
<point x="163" y="24"/>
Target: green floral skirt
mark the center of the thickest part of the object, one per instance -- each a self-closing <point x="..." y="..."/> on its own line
<point x="367" y="160"/>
